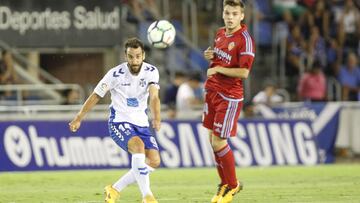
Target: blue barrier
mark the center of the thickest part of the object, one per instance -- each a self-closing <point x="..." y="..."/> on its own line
<point x="49" y="145"/>
<point x="324" y="117"/>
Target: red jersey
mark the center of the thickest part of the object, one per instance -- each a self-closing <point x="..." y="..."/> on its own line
<point x="231" y="51"/>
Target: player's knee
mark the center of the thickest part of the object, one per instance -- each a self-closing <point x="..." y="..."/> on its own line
<point x="136" y="145"/>
<point x="217" y="144"/>
<point x="154" y="162"/>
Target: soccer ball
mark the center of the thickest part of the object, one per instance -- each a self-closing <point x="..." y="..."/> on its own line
<point x="161" y="34"/>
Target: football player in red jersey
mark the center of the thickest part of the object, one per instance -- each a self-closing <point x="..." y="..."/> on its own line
<point x="230" y="62"/>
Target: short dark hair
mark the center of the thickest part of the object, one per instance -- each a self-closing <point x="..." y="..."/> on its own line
<point x="134" y="43"/>
<point x="234" y="3"/>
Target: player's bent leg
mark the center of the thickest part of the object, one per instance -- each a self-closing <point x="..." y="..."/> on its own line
<point x="152" y="161"/>
<point x="140" y="169"/>
<point x="111" y="195"/>
<point x="152" y="158"/>
<point x="136" y="145"/>
<point x="124" y="181"/>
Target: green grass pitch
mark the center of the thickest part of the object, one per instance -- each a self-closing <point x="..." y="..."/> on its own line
<point x="325" y="183"/>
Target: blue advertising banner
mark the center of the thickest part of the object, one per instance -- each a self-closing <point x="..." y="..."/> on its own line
<point x="49" y="145"/>
<point x="324" y="119"/>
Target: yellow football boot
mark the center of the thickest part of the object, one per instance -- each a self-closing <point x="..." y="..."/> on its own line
<point x="219" y="193"/>
<point x="111" y="195"/>
<point x="229" y="193"/>
<point x="149" y="199"/>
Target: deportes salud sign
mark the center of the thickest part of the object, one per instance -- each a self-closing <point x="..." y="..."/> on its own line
<point x="49" y="145"/>
<point x="67" y="23"/>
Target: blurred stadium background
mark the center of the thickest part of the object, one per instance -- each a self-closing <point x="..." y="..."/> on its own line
<point x="53" y="54"/>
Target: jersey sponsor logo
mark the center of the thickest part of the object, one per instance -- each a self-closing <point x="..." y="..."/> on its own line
<point x="142" y="82"/>
<point x="132" y="102"/>
<point x="231" y="45"/>
<point x="118" y="73"/>
<point x="222" y="55"/>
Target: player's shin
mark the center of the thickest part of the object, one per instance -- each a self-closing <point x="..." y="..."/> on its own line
<point x="124" y="181"/>
<point x="141" y="173"/>
<point x="226" y="157"/>
<point x="128" y="179"/>
<point x="220" y="169"/>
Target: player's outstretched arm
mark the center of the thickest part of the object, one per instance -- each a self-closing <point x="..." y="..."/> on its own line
<point x="155" y="107"/>
<point x="90" y="102"/>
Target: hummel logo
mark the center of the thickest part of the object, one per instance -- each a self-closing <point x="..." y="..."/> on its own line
<point x="17" y="146"/>
<point x="120" y="71"/>
<point x="150" y="68"/>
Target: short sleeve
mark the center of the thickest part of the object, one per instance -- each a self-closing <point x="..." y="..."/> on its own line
<point x="246" y="51"/>
<point x="154" y="78"/>
<point x="105" y="84"/>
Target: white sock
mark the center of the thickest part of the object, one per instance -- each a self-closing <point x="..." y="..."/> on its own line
<point x="141" y="172"/>
<point x="128" y="179"/>
<point x="124" y="181"/>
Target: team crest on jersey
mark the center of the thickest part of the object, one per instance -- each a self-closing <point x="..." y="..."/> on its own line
<point x="231" y="45"/>
<point x="142" y="82"/>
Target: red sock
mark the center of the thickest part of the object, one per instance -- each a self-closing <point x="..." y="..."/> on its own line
<point x="220" y="169"/>
<point x="226" y="158"/>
